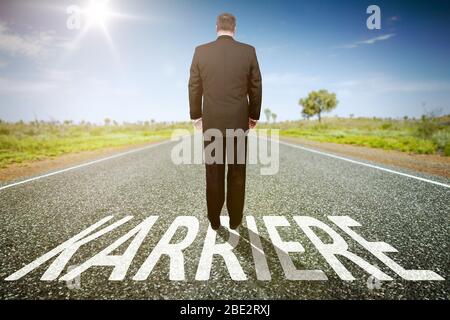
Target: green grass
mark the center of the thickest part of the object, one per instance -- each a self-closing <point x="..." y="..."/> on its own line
<point x="424" y="136"/>
<point x="24" y="142"/>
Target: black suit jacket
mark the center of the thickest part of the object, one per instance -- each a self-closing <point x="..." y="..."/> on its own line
<point x="225" y="79"/>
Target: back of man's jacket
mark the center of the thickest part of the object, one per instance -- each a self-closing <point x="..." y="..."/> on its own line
<point x="225" y="73"/>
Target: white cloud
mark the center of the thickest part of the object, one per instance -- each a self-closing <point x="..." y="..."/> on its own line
<point x="368" y="41"/>
<point x="13" y="44"/>
<point x="31" y="45"/>
<point x="394" y="19"/>
<point x="380" y="38"/>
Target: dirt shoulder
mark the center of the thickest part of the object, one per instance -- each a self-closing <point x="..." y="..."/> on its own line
<point x="25" y="170"/>
<point x="426" y="163"/>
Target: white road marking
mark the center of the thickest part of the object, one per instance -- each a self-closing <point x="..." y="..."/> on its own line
<point x="84" y="165"/>
<point x="364" y="164"/>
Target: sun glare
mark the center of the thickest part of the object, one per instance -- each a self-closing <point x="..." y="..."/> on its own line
<point x="98" y="12"/>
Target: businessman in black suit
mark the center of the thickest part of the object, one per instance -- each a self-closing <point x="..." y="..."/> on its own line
<point x="225" y="90"/>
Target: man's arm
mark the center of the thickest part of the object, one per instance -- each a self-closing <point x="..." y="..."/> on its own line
<point x="254" y="89"/>
<point x="195" y="89"/>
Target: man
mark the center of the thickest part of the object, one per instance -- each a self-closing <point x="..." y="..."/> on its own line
<point x="226" y="79"/>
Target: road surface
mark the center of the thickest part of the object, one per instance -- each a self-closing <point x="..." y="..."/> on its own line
<point x="409" y="214"/>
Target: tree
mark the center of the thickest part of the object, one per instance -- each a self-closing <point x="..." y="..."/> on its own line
<point x="107" y="121"/>
<point x="274" y="117"/>
<point x="307" y="112"/>
<point x="268" y="114"/>
<point x="318" y="102"/>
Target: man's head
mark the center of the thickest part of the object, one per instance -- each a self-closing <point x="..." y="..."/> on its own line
<point x="226" y="24"/>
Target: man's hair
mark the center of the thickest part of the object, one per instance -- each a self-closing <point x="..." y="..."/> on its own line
<point x="226" y="22"/>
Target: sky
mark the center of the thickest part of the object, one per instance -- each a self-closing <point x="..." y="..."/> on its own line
<point x="135" y="65"/>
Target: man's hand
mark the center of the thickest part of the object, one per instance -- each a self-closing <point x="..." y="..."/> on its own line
<point x="252" y="123"/>
<point x="198" y="124"/>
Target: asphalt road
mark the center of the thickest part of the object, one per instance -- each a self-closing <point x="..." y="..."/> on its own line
<point x="411" y="215"/>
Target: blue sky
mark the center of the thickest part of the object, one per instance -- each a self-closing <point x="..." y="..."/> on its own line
<point x="140" y="71"/>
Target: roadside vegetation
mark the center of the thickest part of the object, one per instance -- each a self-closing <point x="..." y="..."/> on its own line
<point x="428" y="135"/>
<point x="23" y="142"/>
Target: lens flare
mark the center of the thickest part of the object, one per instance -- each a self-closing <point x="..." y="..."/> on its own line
<point x="98" y="12"/>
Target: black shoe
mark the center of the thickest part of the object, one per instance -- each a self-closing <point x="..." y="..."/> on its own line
<point x="215" y="226"/>
<point x="234" y="226"/>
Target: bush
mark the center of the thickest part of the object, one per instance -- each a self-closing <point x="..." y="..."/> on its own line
<point x="4" y="130"/>
<point x="447" y="150"/>
<point x="442" y="140"/>
<point x="386" y="126"/>
<point x="96" y="131"/>
<point x="427" y="126"/>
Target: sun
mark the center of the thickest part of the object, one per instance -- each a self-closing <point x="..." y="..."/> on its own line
<point x="98" y="12"/>
<point x="98" y="15"/>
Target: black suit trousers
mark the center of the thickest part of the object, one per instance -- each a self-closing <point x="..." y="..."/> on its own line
<point x="235" y="186"/>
